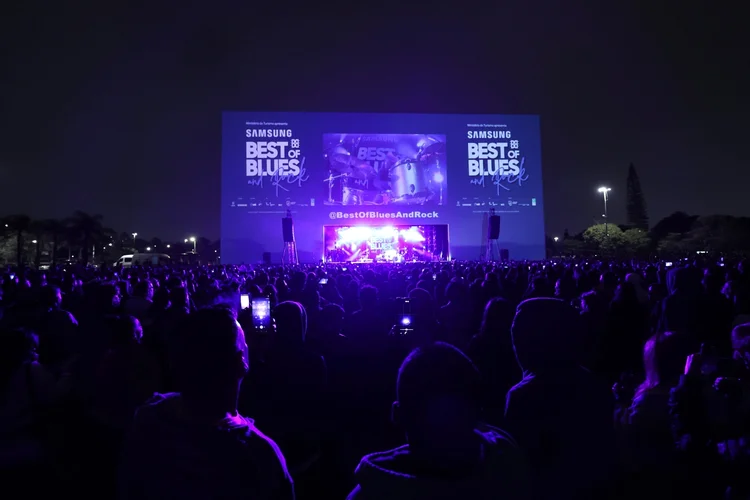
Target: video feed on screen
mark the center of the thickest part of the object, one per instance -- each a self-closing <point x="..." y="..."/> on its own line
<point x="366" y="244"/>
<point x="261" y="309"/>
<point x="385" y="169"/>
<point x="319" y="161"/>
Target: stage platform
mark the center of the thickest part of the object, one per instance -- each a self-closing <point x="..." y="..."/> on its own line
<point x="373" y="261"/>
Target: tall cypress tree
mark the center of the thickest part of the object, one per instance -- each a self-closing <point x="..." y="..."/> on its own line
<point x="636" y="202"/>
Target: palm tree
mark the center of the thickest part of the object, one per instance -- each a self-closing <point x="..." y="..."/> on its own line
<point x="5" y="237"/>
<point x="19" y="224"/>
<point x="88" y="230"/>
<point x="39" y="230"/>
<point x="54" y="229"/>
<point x="71" y="238"/>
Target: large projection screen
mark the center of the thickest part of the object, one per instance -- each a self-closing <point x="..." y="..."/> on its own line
<point x="379" y="169"/>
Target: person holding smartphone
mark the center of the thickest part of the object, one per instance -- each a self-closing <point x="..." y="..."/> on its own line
<point x="289" y="385"/>
<point x="710" y="410"/>
<point x="199" y="433"/>
<point x="261" y="310"/>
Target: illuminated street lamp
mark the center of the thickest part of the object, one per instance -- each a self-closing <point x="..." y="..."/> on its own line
<point x="556" y="239"/>
<point x="193" y="241"/>
<point x="134" y="235"/>
<point x="148" y="249"/>
<point x="605" y="193"/>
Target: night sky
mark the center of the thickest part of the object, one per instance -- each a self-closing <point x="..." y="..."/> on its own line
<point x="118" y="111"/>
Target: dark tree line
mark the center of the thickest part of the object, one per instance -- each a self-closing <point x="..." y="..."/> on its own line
<point x="84" y="238"/>
<point x="81" y="232"/>
<point x="677" y="235"/>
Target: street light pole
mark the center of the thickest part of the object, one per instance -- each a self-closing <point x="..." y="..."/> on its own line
<point x="134" y="235"/>
<point x="605" y="193"/>
<point x="193" y="241"/>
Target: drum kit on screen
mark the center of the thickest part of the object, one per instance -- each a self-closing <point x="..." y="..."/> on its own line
<point x="398" y="180"/>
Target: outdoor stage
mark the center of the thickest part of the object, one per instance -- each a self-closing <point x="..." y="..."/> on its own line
<point x="386" y="244"/>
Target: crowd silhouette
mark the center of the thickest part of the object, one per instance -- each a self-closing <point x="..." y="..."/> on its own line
<point x="568" y="379"/>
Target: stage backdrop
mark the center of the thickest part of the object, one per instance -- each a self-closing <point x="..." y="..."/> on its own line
<point x="379" y="169"/>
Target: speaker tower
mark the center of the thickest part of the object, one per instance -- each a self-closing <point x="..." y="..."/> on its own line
<point x="493" y="232"/>
<point x="289" y="254"/>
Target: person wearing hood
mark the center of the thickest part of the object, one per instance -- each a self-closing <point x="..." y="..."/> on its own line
<point x="195" y="444"/>
<point x="449" y="454"/>
<point x="560" y="412"/>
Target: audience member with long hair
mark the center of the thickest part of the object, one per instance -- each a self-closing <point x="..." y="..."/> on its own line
<point x="492" y="352"/>
<point x="194" y="443"/>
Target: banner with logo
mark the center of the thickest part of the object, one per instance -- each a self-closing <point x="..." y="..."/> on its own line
<point x="328" y="167"/>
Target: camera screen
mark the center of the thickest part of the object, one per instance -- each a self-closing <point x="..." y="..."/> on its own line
<point x="262" y="313"/>
<point x="405" y="323"/>
<point x="244" y="301"/>
<point x="404" y="320"/>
